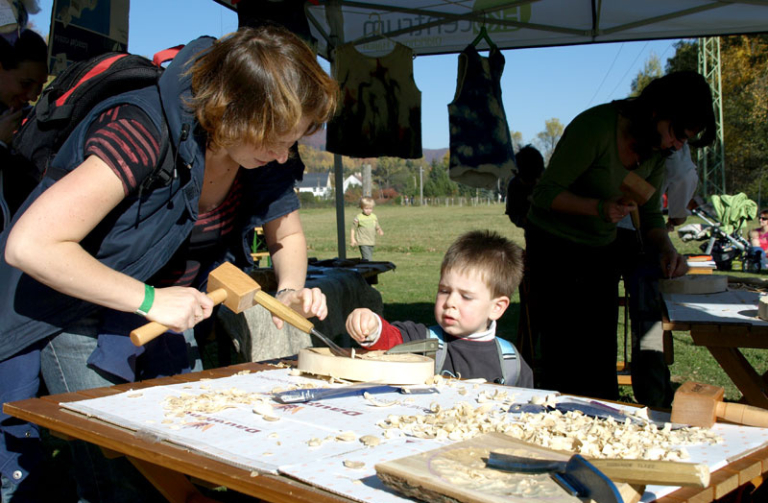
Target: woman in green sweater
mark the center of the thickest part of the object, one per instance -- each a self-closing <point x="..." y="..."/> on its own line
<point x="570" y="248"/>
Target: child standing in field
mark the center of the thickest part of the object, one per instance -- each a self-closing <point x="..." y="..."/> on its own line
<point x="480" y="272"/>
<point x="365" y="226"/>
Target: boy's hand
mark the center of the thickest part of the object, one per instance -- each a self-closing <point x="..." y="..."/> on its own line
<point x="361" y="323"/>
<point x="353" y="242"/>
<point x="380" y="232"/>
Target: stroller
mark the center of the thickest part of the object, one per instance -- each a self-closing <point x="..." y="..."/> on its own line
<point x="725" y="217"/>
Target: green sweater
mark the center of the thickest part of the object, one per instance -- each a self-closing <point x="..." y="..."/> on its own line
<point x="586" y="163"/>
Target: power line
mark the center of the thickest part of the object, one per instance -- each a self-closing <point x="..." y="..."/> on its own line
<point x="628" y="70"/>
<point x="606" y="74"/>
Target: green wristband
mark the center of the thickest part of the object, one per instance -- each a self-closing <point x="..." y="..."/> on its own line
<point x="149" y="299"/>
<point x="601" y="210"/>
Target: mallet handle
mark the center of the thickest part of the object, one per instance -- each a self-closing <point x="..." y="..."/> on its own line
<point x="742" y="414"/>
<point x="282" y="311"/>
<point x="146" y="333"/>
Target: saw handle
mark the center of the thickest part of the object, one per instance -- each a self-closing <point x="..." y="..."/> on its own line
<point x="153" y="329"/>
<point x="739" y="413"/>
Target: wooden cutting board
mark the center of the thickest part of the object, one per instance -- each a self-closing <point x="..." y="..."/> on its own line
<point x="457" y="473"/>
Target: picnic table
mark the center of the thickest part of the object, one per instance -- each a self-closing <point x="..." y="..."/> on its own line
<point x="724" y="323"/>
<point x="170" y="461"/>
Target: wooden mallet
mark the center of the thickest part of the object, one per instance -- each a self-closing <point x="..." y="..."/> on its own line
<point x="638" y="190"/>
<point x="235" y="289"/>
<point x="702" y="405"/>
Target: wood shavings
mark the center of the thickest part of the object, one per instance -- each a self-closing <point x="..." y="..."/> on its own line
<point x="347" y="436"/>
<point x="372" y="400"/>
<point x="572" y="431"/>
<point x="210" y="402"/>
<point x="466" y="468"/>
<point x="543" y="399"/>
<point x="355" y="465"/>
<point x="370" y="440"/>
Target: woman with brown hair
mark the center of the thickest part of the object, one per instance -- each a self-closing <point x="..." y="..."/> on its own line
<point x="105" y="245"/>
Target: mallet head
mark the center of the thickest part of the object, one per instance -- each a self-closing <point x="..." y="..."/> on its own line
<point x="696" y="404"/>
<point x="240" y="287"/>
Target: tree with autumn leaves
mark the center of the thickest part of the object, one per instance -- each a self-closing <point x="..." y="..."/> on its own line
<point x="744" y="76"/>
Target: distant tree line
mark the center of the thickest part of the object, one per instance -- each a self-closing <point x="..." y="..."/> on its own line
<point x="393" y="177"/>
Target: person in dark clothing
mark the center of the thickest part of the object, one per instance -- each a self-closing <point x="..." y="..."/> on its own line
<point x="479" y="274"/>
<point x="23" y="72"/>
<point x="530" y="166"/>
<point x="86" y="249"/>
<point x="574" y="212"/>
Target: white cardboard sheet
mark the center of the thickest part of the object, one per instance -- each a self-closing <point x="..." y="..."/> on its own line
<point x="244" y="439"/>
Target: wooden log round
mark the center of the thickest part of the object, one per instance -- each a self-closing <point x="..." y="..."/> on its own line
<point x="372" y="366"/>
<point x="696" y="284"/>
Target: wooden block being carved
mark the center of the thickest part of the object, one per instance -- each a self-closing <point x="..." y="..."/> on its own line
<point x="697" y="284"/>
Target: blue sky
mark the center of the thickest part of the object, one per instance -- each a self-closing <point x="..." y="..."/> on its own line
<point x="537" y="85"/>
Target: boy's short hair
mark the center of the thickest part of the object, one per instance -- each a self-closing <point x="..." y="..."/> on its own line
<point x="366" y="201"/>
<point x="497" y="259"/>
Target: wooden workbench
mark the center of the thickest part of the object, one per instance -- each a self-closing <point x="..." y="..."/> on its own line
<point x="167" y="466"/>
<point x="724" y="323"/>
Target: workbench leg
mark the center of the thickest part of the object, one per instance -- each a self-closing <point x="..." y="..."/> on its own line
<point x="174" y="486"/>
<point x="743" y="375"/>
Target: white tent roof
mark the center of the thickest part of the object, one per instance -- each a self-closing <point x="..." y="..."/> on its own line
<point x="447" y="26"/>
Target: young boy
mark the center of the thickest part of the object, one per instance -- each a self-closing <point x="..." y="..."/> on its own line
<point x="479" y="274"/>
<point x="365" y="226"/>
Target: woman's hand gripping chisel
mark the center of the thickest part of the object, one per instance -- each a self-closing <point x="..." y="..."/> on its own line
<point x="238" y="291"/>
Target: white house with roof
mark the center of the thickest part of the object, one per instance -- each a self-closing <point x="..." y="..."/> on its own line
<point x="353" y="180"/>
<point x="318" y="184"/>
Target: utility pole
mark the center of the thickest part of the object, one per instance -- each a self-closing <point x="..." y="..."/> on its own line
<point x="711" y="159"/>
<point x="367" y="184"/>
<point x="421" y="186"/>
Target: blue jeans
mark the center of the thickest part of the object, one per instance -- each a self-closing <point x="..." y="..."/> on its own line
<point x="65" y="370"/>
<point x="20" y="448"/>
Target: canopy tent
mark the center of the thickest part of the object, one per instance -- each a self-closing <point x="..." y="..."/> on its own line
<point x="447" y="26"/>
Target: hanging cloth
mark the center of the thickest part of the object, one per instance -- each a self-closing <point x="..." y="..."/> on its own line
<point x="380" y="106"/>
<point x="481" y="145"/>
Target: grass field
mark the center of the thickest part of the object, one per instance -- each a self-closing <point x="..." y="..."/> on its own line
<point x="415" y="239"/>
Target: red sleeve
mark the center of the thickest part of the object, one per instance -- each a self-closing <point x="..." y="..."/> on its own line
<point x="389" y="338"/>
<point x="125" y="138"/>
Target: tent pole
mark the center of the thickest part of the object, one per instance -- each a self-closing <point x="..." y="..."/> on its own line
<point x="335" y="18"/>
